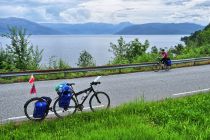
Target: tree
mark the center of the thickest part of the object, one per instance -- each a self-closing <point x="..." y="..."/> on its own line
<point x="127" y="52"/>
<point x="6" y="62"/>
<point x="55" y="63"/>
<point x="85" y="59"/>
<point x="154" y="50"/>
<point x="2" y="58"/>
<point x="36" y="57"/>
<point x="198" y="38"/>
<point x="119" y="50"/>
<point x="62" y="64"/>
<point x="21" y="50"/>
<point x="136" y="48"/>
<point x="177" y="50"/>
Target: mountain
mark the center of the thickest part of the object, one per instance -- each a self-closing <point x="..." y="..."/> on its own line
<point x="124" y="28"/>
<point x="31" y="27"/>
<point x="87" y="28"/>
<point x="160" y="29"/>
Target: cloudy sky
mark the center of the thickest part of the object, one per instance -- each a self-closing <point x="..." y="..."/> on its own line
<point x="109" y="11"/>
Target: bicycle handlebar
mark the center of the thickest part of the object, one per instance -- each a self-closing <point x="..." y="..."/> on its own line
<point x="70" y="84"/>
<point x="92" y="83"/>
<point x="95" y="83"/>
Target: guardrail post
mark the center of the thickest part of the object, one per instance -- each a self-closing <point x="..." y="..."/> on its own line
<point x="120" y="71"/>
<point x="65" y="74"/>
<point x="194" y="63"/>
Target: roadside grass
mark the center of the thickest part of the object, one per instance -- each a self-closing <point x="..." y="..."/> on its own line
<point x="89" y="74"/>
<point x="174" y="119"/>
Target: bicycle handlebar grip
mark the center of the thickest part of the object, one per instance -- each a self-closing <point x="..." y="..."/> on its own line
<point x="70" y="84"/>
<point x="98" y="82"/>
<point x="95" y="83"/>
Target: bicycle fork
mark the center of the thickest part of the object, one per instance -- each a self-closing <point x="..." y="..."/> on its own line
<point x="97" y="99"/>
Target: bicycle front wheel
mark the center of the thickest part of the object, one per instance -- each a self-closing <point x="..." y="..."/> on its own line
<point x="29" y="109"/>
<point x="166" y="67"/>
<point x="99" y="100"/>
<point x="157" y="67"/>
<point x="61" y="112"/>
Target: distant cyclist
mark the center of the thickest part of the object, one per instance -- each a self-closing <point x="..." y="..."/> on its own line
<point x="164" y="56"/>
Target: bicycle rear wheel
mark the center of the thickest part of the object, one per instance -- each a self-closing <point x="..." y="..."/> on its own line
<point x="61" y="112"/>
<point x="29" y="109"/>
<point x="99" y="100"/>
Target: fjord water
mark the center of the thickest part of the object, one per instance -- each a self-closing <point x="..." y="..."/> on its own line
<point x="69" y="47"/>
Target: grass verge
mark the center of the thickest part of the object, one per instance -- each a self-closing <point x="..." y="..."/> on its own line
<point x="180" y="118"/>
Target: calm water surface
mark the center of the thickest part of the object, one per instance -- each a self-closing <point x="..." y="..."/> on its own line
<point x="69" y="47"/>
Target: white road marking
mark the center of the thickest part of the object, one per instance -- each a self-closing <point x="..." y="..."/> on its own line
<point x="15" y="118"/>
<point x="93" y="107"/>
<point x="50" y="113"/>
<point x="191" y="92"/>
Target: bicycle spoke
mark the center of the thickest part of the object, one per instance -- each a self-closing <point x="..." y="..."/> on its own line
<point x="61" y="112"/>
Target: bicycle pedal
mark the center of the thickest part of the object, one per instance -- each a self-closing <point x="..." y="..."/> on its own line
<point x="80" y="107"/>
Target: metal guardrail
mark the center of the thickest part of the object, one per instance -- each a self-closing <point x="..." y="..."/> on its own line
<point x="98" y="68"/>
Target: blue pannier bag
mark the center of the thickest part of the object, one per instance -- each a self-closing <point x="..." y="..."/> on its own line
<point x="63" y="89"/>
<point x="64" y="100"/>
<point x="168" y="62"/>
<point x="40" y="109"/>
<point x="65" y="93"/>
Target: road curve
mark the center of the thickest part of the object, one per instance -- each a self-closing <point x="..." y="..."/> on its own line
<point x="121" y="88"/>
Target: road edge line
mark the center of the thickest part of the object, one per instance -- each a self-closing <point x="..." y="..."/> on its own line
<point x="191" y="92"/>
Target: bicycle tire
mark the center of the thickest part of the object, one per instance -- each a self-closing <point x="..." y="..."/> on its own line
<point x="156" y="67"/>
<point x="94" y="101"/>
<point x="64" y="111"/>
<point x="166" y="67"/>
<point x="28" y="108"/>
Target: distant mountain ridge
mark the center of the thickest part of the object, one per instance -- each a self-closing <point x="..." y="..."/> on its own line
<point x="32" y="27"/>
<point x="124" y="28"/>
<point x="161" y="29"/>
<point x="88" y="28"/>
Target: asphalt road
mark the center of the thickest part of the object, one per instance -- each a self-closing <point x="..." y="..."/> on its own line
<point x="121" y="88"/>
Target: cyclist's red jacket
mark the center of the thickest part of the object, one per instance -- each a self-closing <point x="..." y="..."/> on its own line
<point x="164" y="55"/>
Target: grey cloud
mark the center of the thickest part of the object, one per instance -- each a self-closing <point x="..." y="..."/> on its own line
<point x="176" y="2"/>
<point x="133" y="0"/>
<point x="129" y="9"/>
<point x="84" y="13"/>
<point x="35" y="3"/>
<point x="52" y="9"/>
<point x="205" y="4"/>
<point x="188" y="16"/>
<point x="121" y="15"/>
<point x="72" y="10"/>
<point x="79" y="15"/>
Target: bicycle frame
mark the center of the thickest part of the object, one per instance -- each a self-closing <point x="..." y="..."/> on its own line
<point x="88" y="91"/>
